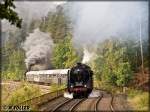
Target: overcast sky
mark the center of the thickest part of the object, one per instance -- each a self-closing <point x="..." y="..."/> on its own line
<point x="96" y="21"/>
<point x="93" y="21"/>
<point x="31" y="10"/>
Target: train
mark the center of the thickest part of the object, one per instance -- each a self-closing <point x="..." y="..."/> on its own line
<point x="79" y="79"/>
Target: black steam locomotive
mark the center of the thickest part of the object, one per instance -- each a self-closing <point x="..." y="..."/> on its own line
<point x="80" y="81"/>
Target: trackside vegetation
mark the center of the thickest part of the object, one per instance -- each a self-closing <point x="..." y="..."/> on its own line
<point x="24" y="92"/>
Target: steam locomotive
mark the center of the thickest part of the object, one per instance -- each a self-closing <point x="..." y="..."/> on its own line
<point x="80" y="81"/>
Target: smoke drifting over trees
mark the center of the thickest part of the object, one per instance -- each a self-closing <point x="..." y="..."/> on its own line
<point x="38" y="47"/>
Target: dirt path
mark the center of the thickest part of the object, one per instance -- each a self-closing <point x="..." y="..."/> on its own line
<point x="12" y="85"/>
<point x="120" y="103"/>
<point x="105" y="103"/>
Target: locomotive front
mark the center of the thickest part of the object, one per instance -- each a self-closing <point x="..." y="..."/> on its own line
<point x="80" y="81"/>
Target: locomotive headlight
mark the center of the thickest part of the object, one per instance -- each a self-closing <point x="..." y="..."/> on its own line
<point x="85" y="86"/>
<point x="71" y="86"/>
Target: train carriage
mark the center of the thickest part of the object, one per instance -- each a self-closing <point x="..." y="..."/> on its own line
<point x="47" y="76"/>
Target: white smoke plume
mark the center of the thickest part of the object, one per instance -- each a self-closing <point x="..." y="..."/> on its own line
<point x="87" y="56"/>
<point x="38" y="47"/>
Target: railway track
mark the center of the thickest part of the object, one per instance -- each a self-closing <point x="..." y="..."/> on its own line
<point x="105" y="102"/>
<point x="48" y="106"/>
<point x="76" y="104"/>
<point x="69" y="105"/>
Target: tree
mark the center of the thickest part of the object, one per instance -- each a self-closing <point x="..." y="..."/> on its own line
<point x="110" y="64"/>
<point x="64" y="55"/>
<point x="71" y="55"/>
<point x="57" y="23"/>
<point x="15" y="65"/>
<point x="7" y="12"/>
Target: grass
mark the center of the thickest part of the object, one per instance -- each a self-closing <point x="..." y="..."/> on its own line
<point x="23" y="93"/>
<point x="56" y="87"/>
<point x="138" y="99"/>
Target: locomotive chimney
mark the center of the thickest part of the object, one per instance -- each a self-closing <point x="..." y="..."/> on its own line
<point x="27" y="70"/>
<point x="79" y="63"/>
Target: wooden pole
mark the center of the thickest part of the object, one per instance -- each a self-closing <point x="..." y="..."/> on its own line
<point x="141" y="46"/>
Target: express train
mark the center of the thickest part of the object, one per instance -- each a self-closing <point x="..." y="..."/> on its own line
<point x="79" y="78"/>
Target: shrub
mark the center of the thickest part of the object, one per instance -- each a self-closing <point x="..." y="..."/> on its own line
<point x="56" y="87"/>
<point x="138" y="99"/>
<point x="25" y="92"/>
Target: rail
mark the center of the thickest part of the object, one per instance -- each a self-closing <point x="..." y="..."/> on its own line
<point x="61" y="104"/>
<point x="76" y="104"/>
<point x="36" y="101"/>
<point x="112" y="99"/>
<point x="96" y="104"/>
<point x="111" y="103"/>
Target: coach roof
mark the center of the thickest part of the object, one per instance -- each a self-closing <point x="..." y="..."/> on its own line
<point x="56" y="71"/>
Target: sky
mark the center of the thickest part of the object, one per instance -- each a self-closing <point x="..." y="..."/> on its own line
<point x="96" y="21"/>
<point x="93" y="21"/>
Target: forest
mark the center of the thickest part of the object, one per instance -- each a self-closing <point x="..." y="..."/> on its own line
<point x="117" y="62"/>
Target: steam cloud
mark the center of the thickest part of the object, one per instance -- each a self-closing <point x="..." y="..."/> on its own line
<point x="38" y="47"/>
<point x="97" y="21"/>
<point x="93" y="22"/>
<point x="88" y="56"/>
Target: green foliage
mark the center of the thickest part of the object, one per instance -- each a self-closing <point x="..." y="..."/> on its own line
<point x="56" y="87"/>
<point x="133" y="92"/>
<point x="7" y="12"/>
<point x="110" y="65"/>
<point x="64" y="55"/>
<point x="123" y="74"/>
<point x="138" y="99"/>
<point x="133" y="53"/>
<point x="15" y="67"/>
<point x="25" y="92"/>
<point x="143" y="102"/>
<point x="107" y="87"/>
<point x="57" y="23"/>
